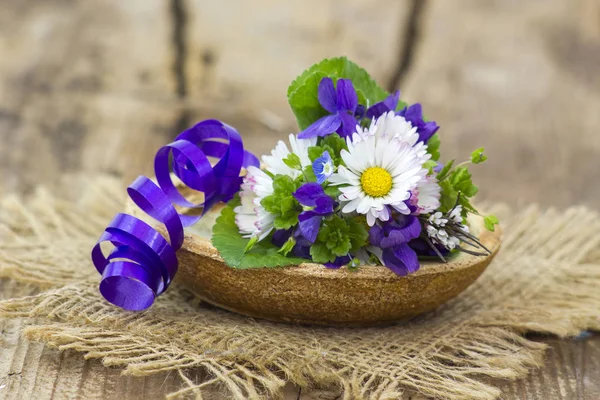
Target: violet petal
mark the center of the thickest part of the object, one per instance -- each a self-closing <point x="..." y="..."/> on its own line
<point x="324" y="205"/>
<point x="281" y="236"/>
<point x="427" y="131"/>
<point x="309" y="225"/>
<point x="402" y="235"/>
<point x="327" y="95"/>
<point x="348" y="125"/>
<point x="308" y="194"/>
<point x="346" y="95"/>
<point x="338" y="262"/>
<point x="402" y="260"/>
<point x="375" y="235"/>
<point x="322" y="127"/>
<point x="389" y="104"/>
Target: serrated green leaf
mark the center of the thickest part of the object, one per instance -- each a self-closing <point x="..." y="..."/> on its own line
<point x="314" y="152"/>
<point x="467" y="207"/>
<point x="321" y="254"/>
<point x="448" y="196"/>
<point x="358" y="234"/>
<point x="283" y="185"/>
<point x="335" y="143"/>
<point x="230" y="244"/>
<point x="270" y="203"/>
<point x="335" y="234"/>
<point x="282" y="203"/>
<point x="461" y="180"/>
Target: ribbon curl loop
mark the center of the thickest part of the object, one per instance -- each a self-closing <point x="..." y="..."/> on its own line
<point x="143" y="263"/>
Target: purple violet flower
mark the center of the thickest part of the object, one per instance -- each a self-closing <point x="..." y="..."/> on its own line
<point x="341" y="105"/>
<point x="413" y="114"/>
<point x="393" y="237"/>
<point x="311" y="194"/>
<point x="302" y="247"/>
<point x="323" y="167"/>
<point x="421" y="247"/>
<point x="338" y="262"/>
<point x="389" y="104"/>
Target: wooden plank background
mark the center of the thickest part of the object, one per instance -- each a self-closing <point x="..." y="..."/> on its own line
<point x="99" y="85"/>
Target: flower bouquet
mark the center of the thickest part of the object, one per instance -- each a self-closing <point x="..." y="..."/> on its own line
<point x="354" y="221"/>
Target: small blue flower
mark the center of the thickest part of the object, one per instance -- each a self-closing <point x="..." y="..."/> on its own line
<point x="323" y="167"/>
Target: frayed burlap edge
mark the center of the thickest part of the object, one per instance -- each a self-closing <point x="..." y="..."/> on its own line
<point x="546" y="280"/>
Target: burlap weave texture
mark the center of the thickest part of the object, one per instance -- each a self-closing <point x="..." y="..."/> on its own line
<point x="545" y="279"/>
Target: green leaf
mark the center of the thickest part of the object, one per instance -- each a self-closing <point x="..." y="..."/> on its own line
<point x="332" y="191"/>
<point x="287" y="246"/>
<point x="461" y="180"/>
<point x="490" y="221"/>
<point x="335" y="234"/>
<point x="354" y="264"/>
<point x="314" y="152"/>
<point x="467" y="207"/>
<point x="335" y="143"/>
<point x="293" y="161"/>
<point x="282" y="202"/>
<point x="230" y="244"/>
<point x="429" y="165"/>
<point x="448" y="196"/>
<point x="433" y="147"/>
<point x="302" y="93"/>
<point x="477" y="156"/>
<point x="309" y="174"/>
<point x="288" y="213"/>
<point x="283" y="185"/>
<point x="444" y="172"/>
<point x="358" y="234"/>
<point x="321" y="254"/>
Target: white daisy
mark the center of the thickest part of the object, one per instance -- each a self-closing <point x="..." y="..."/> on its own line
<point x="274" y="163"/>
<point x="381" y="170"/>
<point x="251" y="218"/>
<point x="426" y="196"/>
<point x="392" y="125"/>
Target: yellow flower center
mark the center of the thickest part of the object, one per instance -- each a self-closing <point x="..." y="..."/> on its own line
<point x="376" y="181"/>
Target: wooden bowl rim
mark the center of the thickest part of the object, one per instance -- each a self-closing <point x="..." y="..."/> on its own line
<point x="492" y="240"/>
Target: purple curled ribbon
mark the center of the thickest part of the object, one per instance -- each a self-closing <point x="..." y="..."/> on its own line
<point x="143" y="263"/>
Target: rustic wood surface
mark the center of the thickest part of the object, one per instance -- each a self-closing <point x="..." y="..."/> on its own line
<point x="99" y="85"/>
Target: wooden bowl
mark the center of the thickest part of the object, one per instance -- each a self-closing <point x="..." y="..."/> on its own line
<point x="313" y="294"/>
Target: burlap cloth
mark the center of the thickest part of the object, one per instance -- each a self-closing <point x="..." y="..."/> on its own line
<point x="546" y="279"/>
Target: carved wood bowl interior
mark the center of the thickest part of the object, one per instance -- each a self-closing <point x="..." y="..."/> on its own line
<point x="313" y="294"/>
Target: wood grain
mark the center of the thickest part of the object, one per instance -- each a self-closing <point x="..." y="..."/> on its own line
<point x="519" y="78"/>
<point x="98" y="86"/>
